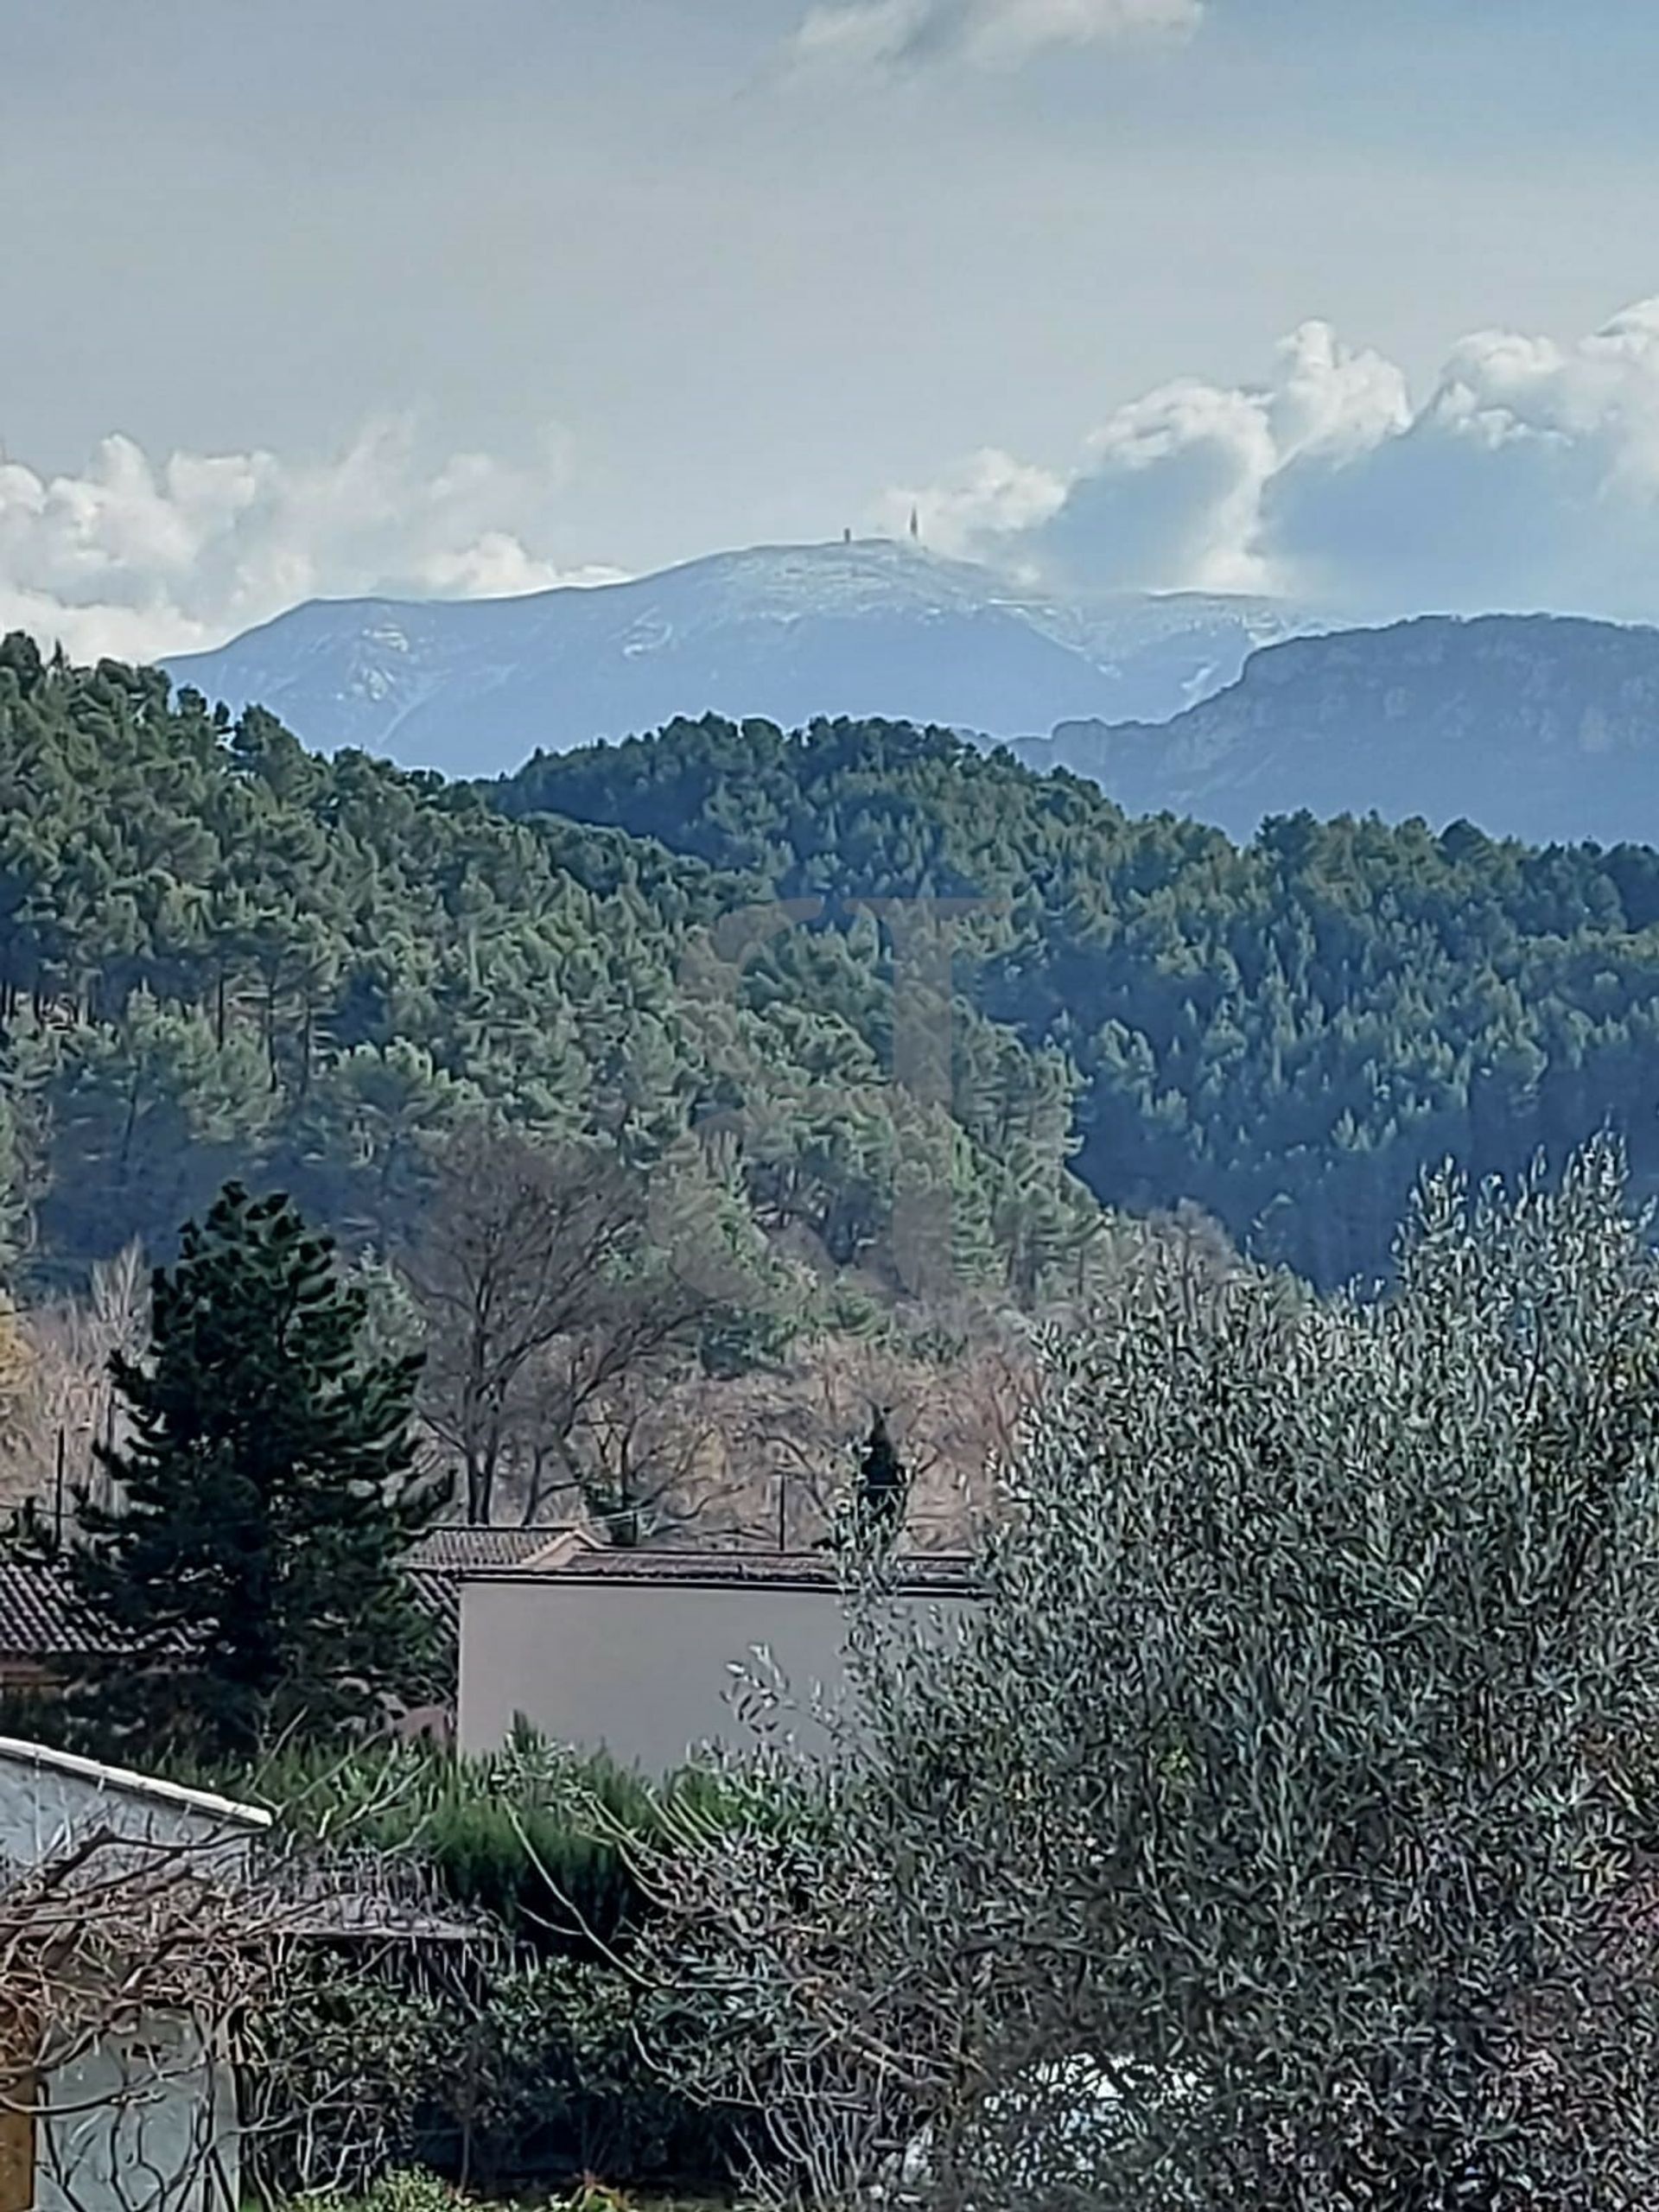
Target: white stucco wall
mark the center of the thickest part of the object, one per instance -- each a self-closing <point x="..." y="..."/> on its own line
<point x="643" y="1670"/>
<point x="146" y="2123"/>
<point x="49" y="1802"/>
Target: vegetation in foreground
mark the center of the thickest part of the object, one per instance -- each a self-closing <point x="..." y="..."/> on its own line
<point x="417" y="2190"/>
<point x="1293" y="1778"/>
<point x="1295" y="1781"/>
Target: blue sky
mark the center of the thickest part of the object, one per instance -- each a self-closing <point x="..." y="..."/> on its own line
<point x="664" y="281"/>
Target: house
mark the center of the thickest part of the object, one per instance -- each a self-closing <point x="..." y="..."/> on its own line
<point x="639" y="1652"/>
<point x="115" y="2094"/>
<point x="436" y="1565"/>
<point x="43" y="1633"/>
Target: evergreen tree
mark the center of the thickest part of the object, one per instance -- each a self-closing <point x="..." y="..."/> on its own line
<point x="219" y="955"/>
<point x="250" y="1570"/>
<point x="883" y="1484"/>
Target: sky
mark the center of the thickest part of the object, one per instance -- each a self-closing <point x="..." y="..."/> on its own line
<point x="1350" y="303"/>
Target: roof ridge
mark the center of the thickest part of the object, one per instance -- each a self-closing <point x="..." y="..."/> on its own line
<point x="21" y="1751"/>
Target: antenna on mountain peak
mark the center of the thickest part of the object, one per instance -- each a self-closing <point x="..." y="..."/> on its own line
<point x="915" y="527"/>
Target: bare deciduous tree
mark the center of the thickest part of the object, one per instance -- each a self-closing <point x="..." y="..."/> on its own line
<point x="162" y="2042"/>
<point x="130" y="1953"/>
<point x="67" y="1402"/>
<point x="795" y="1434"/>
<point x="654" y="1468"/>
<point x="541" y="1291"/>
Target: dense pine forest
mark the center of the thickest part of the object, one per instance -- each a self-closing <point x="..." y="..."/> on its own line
<point x="220" y="954"/>
<point x="1283" y="1033"/>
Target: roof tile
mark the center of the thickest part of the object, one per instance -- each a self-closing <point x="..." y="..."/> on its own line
<point x="919" y="1572"/>
<point x="39" y="1618"/>
<point x="459" y="1547"/>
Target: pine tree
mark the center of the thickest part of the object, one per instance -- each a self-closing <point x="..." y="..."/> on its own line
<point x="250" y="1569"/>
<point x="883" y="1484"/>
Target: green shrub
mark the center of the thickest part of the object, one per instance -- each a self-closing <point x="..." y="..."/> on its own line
<point x="538" y="2077"/>
<point x="529" y="2065"/>
<point x="511" y="1835"/>
<point x="576" y="2097"/>
<point x="406" y="2189"/>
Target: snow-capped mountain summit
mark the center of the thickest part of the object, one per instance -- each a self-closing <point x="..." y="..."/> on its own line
<point x="784" y="632"/>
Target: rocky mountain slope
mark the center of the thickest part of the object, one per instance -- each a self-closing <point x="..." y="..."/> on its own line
<point x="1540" y="726"/>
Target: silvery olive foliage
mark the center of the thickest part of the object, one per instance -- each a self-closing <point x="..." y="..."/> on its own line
<point x="1288" y="1787"/>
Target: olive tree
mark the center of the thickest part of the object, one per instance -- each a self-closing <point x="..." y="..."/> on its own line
<point x="1285" y="1792"/>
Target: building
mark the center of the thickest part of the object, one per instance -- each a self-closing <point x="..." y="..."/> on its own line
<point x="436" y="1565"/>
<point x="109" y="2106"/>
<point x="44" y="1635"/>
<point x="41" y="1635"/>
<point x="641" y="1653"/>
<point x="438" y="1561"/>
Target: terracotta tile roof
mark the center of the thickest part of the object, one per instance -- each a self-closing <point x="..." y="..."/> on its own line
<point x="38" y="1622"/>
<point x="39" y="1618"/>
<point x="921" y="1574"/>
<point x="457" y="1549"/>
<point x="435" y="1564"/>
<point x="438" y="1594"/>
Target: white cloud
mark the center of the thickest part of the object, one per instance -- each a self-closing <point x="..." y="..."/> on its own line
<point x="989" y="494"/>
<point x="136" y="558"/>
<point x="1528" y="476"/>
<point x="986" y="34"/>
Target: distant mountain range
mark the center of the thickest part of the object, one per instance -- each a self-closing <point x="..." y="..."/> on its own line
<point x="1539" y="727"/>
<point x="782" y="634"/>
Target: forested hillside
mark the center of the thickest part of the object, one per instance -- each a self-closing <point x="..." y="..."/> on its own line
<point x="1284" y="1033"/>
<point x="220" y="954"/>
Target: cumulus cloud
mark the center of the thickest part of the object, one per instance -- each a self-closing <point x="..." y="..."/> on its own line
<point x="137" y="558"/>
<point x="989" y="495"/>
<point x="986" y="34"/>
<point x="1528" y="476"/>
